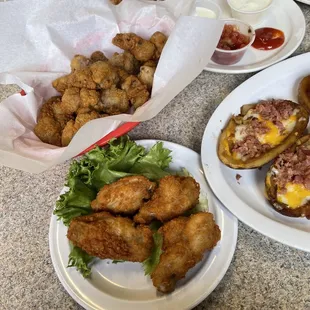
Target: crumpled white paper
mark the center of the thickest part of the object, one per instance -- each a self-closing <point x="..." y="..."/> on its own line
<point x="39" y="38"/>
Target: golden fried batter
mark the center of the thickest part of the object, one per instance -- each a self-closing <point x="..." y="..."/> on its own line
<point x="125" y="196"/>
<point x="73" y="126"/>
<point x="125" y="61"/>
<point x="136" y="91"/>
<point x="104" y="74"/>
<point x="174" y="196"/>
<point x="146" y="76"/>
<point x="48" y="128"/>
<point x="159" y="40"/>
<point x="79" y="62"/>
<point x="97" y="56"/>
<point x="185" y="241"/>
<point x="123" y="75"/>
<point x="70" y="103"/>
<point x="89" y="98"/>
<point x="143" y="50"/>
<point x="114" y="101"/>
<point x="111" y="237"/>
<point x="61" y="84"/>
<point x="116" y="1"/>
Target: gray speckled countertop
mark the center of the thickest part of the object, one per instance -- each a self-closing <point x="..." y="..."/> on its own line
<point x="264" y="274"/>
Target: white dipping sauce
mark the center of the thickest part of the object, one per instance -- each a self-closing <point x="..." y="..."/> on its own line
<point x="249" y="5"/>
<point x="203" y="12"/>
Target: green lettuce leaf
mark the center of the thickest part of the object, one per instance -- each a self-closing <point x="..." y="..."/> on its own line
<point x="151" y="262"/>
<point x="75" y="202"/>
<point x="80" y="260"/>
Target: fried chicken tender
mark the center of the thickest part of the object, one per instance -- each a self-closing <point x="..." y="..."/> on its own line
<point x="143" y="50"/>
<point x="111" y="237"/>
<point x="73" y="126"/>
<point x="185" y="241"/>
<point x="79" y="62"/>
<point x="159" y="40"/>
<point x="125" y="196"/>
<point x="104" y="74"/>
<point x="146" y="76"/>
<point x="97" y="56"/>
<point x="48" y="128"/>
<point x="114" y="101"/>
<point x="136" y="91"/>
<point x="172" y="198"/>
<point x="125" y="61"/>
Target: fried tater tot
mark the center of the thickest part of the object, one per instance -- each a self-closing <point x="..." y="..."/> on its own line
<point x="136" y="91"/>
<point x="174" y="196"/>
<point x="185" y="240"/>
<point x="143" y="50"/>
<point x="104" y="74"/>
<point x="125" y="61"/>
<point x="146" y="76"/>
<point x="159" y="40"/>
<point x="79" y="62"/>
<point x="73" y="126"/>
<point x="114" y="101"/>
<point x="111" y="237"/>
<point x="125" y="196"/>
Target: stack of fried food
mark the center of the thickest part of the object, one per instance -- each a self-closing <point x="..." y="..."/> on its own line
<point x="99" y="87"/>
<point x="119" y="227"/>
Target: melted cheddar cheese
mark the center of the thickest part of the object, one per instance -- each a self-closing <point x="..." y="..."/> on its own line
<point x="296" y="196"/>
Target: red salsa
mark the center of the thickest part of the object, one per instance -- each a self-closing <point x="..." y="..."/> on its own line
<point x="231" y="39"/>
<point x="268" y="38"/>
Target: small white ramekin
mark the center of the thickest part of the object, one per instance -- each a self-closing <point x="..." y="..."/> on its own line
<point x="210" y="5"/>
<point x="230" y="57"/>
<point x="251" y="17"/>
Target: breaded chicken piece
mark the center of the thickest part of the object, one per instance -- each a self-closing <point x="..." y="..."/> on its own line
<point x="136" y="91"/>
<point x="79" y="78"/>
<point x="146" y="76"/>
<point x="114" y="101"/>
<point x="89" y="98"/>
<point x="125" y="61"/>
<point x="123" y="75"/>
<point x="143" y="50"/>
<point x="79" y="62"/>
<point x="111" y="237"/>
<point x="125" y="196"/>
<point x="73" y="126"/>
<point x="174" y="196"/>
<point x="104" y="74"/>
<point x="97" y="56"/>
<point x="48" y="128"/>
<point x="70" y="103"/>
<point x="151" y="63"/>
<point x="185" y="240"/>
<point x="159" y="40"/>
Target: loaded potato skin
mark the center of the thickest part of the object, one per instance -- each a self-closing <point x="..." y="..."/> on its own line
<point x="261" y="132"/>
<point x="287" y="182"/>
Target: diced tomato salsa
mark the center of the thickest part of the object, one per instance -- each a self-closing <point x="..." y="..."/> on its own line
<point x="232" y="39"/>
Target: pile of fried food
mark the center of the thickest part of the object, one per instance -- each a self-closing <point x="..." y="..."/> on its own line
<point x="119" y="228"/>
<point x="274" y="130"/>
<point x="99" y="87"/>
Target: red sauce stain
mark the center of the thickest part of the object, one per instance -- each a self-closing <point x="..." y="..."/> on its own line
<point x="268" y="38"/>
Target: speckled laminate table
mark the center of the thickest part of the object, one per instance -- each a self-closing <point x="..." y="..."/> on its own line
<point x="264" y="274"/>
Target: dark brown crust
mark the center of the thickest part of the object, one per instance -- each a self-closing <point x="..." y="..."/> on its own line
<point x="304" y="92"/>
<point x="228" y="160"/>
<point x="271" y="192"/>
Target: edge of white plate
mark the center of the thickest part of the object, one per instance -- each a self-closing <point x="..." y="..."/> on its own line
<point x="230" y="70"/>
<point x="271" y="231"/>
<point x="217" y="203"/>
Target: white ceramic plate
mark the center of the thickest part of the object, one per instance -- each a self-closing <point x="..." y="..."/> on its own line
<point x="123" y="285"/>
<point x="284" y="15"/>
<point x="245" y="198"/>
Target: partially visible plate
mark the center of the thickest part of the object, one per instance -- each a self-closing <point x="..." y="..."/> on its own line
<point x="304" y="1"/>
<point x="284" y="15"/>
<point x="245" y="196"/>
<point x="123" y="285"/>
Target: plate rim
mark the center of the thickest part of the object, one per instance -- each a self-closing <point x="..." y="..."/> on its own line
<point x="218" y="205"/>
<point x="272" y="231"/>
<point x="263" y="66"/>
